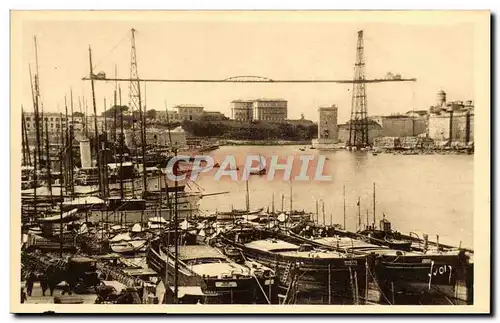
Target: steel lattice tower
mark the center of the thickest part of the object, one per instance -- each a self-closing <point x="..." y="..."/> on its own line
<point x="358" y="125"/>
<point x="136" y="105"/>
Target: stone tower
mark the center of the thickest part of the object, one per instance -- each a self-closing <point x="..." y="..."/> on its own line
<point x="327" y="128"/>
<point x="327" y="125"/>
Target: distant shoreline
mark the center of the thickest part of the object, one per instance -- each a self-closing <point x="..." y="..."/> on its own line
<point x="385" y="151"/>
<point x="265" y="143"/>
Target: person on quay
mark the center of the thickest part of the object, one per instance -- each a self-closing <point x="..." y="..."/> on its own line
<point x="30" y="281"/>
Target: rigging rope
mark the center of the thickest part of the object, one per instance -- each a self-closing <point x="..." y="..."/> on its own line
<point x="112" y="50"/>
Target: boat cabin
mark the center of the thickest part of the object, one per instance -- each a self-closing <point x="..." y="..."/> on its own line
<point x="87" y="176"/>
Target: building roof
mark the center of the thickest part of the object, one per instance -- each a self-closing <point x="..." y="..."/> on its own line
<point x="194" y="106"/>
<point x="328" y="107"/>
<point x="419" y="112"/>
<point x="269" y="100"/>
<point x="242" y="101"/>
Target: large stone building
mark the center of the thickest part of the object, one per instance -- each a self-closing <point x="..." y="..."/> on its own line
<point x="242" y="110"/>
<point x="275" y="110"/>
<point x="272" y="110"/>
<point x="157" y="137"/>
<point x="54" y="121"/>
<point x="401" y="125"/>
<point x="190" y="112"/>
<point x="451" y="122"/>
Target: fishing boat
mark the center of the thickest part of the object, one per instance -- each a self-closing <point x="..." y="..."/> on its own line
<point x="263" y="171"/>
<point x="397" y="267"/>
<point x="260" y="172"/>
<point x="204" y="273"/>
<point x="301" y="266"/>
<point x="123" y="243"/>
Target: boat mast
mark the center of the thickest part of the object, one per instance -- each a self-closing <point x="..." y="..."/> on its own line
<point x="122" y="141"/>
<point x="67" y="144"/>
<point x="36" y="152"/>
<point x="71" y="161"/>
<point x="359" y="215"/>
<point x="61" y="180"/>
<point x="171" y="147"/>
<point x="49" y="176"/>
<point x="323" y="208"/>
<point x="374" y="220"/>
<point x="114" y="112"/>
<point x="344" y="209"/>
<point x="105" y="154"/>
<point x="176" y="272"/>
<point x="37" y="104"/>
<point x="247" y="197"/>
<point x="317" y="211"/>
<point x="25" y="142"/>
<point x="95" y="121"/>
<point x="86" y="118"/>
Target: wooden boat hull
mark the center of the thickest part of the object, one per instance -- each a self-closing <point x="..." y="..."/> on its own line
<point x="219" y="290"/>
<point x="402" y="273"/>
<point x="338" y="277"/>
<point x="129" y="247"/>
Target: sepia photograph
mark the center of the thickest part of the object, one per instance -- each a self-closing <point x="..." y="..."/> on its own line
<point x="250" y="161"/>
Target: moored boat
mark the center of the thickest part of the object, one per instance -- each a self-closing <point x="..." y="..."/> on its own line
<point x="215" y="277"/>
<point x="311" y="270"/>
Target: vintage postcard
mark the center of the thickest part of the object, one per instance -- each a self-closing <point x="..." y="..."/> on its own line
<point x="250" y="161"/>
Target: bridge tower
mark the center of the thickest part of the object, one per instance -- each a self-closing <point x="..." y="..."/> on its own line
<point x="358" y="125"/>
<point x="136" y="105"/>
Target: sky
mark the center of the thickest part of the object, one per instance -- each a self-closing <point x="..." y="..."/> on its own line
<point x="439" y="55"/>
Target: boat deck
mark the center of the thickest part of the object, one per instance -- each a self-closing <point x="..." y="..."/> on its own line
<point x="292" y="250"/>
<point x="197" y="251"/>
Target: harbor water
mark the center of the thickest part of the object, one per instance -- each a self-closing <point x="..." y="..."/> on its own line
<point x="424" y="194"/>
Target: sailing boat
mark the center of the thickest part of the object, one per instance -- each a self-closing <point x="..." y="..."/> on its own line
<point x="261" y="171"/>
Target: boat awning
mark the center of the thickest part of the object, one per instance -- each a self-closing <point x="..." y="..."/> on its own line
<point x="116" y="165"/>
<point x="87" y="200"/>
<point x="67" y="216"/>
<point x="191" y="291"/>
<point x="137" y="228"/>
<point x="109" y="256"/>
<point x="140" y="272"/>
<point x="184" y="225"/>
<point x="121" y="237"/>
<point x="81" y="260"/>
<point x="157" y="219"/>
<point x="271" y="245"/>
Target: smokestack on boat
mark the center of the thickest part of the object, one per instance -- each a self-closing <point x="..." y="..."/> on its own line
<point x="85" y="155"/>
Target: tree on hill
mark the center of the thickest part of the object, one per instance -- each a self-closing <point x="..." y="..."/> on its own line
<point x="111" y="111"/>
<point x="151" y="114"/>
